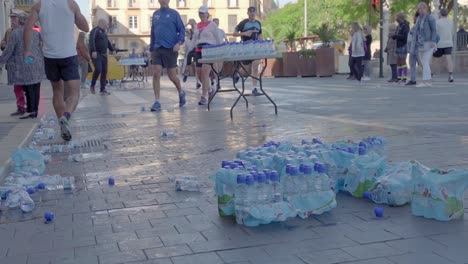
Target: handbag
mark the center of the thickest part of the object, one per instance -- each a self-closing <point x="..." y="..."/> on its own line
<point x="89" y="68"/>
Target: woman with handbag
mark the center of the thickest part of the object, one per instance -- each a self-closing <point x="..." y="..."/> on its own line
<point x="83" y="59"/>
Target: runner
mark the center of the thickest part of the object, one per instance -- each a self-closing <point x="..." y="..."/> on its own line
<point x="58" y="19"/>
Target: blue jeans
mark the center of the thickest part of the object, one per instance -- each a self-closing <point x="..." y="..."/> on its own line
<point x="413" y="58"/>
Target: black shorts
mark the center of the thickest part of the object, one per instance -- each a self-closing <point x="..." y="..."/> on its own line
<point x="65" y="69"/>
<point x="198" y="55"/>
<point x="165" y="57"/>
<point x="442" y="51"/>
<point x="191" y="56"/>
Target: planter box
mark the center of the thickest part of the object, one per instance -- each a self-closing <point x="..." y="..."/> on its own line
<point x="274" y="68"/>
<point x="307" y="67"/>
<point x="325" y="62"/>
<point x="290" y="64"/>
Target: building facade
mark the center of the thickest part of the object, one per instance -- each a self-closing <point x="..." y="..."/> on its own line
<point x="130" y="20"/>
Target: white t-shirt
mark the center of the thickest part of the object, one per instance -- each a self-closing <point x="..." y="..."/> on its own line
<point x="445" y="31"/>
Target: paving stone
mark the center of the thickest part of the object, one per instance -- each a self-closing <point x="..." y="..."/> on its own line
<point x="75" y="242"/>
<point x="95" y="250"/>
<point x="131" y="226"/>
<point x="326" y="256"/>
<point x="147" y="216"/>
<point x="144" y="243"/>
<point x="156" y="231"/>
<point x="115" y="237"/>
<point x="179" y="212"/>
<point x="277" y="260"/>
<point x="372" y="261"/>
<point x="165" y="252"/>
<point x="373" y="251"/>
<point x="419" y="244"/>
<point x="428" y="258"/>
<point x="153" y="261"/>
<point x="206" y="258"/>
<point x="122" y="257"/>
<point x="242" y="254"/>
<point x="81" y="260"/>
<point x="14" y="260"/>
<point x="177" y="239"/>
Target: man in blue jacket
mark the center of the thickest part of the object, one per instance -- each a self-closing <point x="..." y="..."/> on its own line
<point x="98" y="46"/>
<point x="167" y="35"/>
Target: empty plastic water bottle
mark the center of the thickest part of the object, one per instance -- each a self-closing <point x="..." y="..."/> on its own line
<point x="187" y="183"/>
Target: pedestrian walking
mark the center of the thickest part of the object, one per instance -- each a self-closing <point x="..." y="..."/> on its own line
<point x="250" y="29"/>
<point x="83" y="59"/>
<point x="390" y="49"/>
<point x="413" y="51"/>
<point x="206" y="33"/>
<point x="357" y="53"/>
<point x="167" y="34"/>
<point x="28" y="76"/>
<point x="17" y="89"/>
<point x="98" y="46"/>
<point x="58" y="19"/>
<point x="401" y="37"/>
<point x="367" y="53"/>
<point x="426" y="35"/>
<point x="446" y="33"/>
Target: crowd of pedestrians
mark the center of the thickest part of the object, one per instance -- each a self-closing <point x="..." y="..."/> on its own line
<point x="49" y="51"/>
<point x="426" y="39"/>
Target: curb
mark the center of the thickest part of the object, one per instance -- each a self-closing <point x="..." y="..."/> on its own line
<point x="5" y="168"/>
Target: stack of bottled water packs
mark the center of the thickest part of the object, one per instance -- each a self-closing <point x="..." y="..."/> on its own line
<point x="239" y="49"/>
<point x="280" y="180"/>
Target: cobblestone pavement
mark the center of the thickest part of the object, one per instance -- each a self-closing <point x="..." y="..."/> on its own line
<point x="142" y="219"/>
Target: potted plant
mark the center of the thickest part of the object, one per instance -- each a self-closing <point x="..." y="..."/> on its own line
<point x="307" y="64"/>
<point x="290" y="58"/>
<point x="325" y="56"/>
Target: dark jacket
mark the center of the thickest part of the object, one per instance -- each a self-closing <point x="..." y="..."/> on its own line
<point x="98" y="41"/>
<point x="401" y="34"/>
<point x="367" y="55"/>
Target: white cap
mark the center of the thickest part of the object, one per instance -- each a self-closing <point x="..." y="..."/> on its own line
<point x="203" y="9"/>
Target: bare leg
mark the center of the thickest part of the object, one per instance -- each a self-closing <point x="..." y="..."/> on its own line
<point x="58" y="98"/>
<point x="172" y="73"/>
<point x="449" y="63"/>
<point x="157" y="81"/>
<point x="72" y="89"/>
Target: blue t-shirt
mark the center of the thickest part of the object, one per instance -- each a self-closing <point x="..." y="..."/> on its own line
<point x="246" y="25"/>
<point x="167" y="29"/>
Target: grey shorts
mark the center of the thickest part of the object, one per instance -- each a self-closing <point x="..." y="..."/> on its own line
<point x="165" y="57"/>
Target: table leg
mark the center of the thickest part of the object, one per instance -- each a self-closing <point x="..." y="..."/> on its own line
<point x="238" y="65"/>
<point x="213" y="68"/>
<point x="261" y="87"/>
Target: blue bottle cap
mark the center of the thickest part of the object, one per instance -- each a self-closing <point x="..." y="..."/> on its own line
<point x="362" y="151"/>
<point x="111" y="181"/>
<point x="362" y="144"/>
<point x="293" y="171"/>
<point x="240" y="178"/>
<point x="30" y="190"/>
<point x="41" y="186"/>
<point x="234" y="165"/>
<point x="239" y="162"/>
<point x="316" y="141"/>
<point x="49" y="216"/>
<point x="274" y="176"/>
<point x="379" y="211"/>
<point x="261" y="178"/>
<point x="351" y="150"/>
<point x="249" y="180"/>
<point x="367" y="195"/>
<point x="224" y="163"/>
<point x="316" y="165"/>
<point x="301" y="167"/>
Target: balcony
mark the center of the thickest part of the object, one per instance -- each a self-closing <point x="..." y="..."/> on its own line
<point x="24" y="2"/>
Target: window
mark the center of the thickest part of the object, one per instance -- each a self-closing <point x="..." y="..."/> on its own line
<point x="132" y="3"/>
<point x="232" y="22"/>
<point x="184" y="19"/>
<point x="153" y="3"/>
<point x="233" y="3"/>
<point x="111" y="3"/>
<point x="113" y="24"/>
<point x="181" y="3"/>
<point x="207" y="3"/>
<point x="132" y="22"/>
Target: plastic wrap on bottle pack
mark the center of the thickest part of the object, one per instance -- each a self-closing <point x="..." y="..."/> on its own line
<point x="343" y="159"/>
<point x="225" y="186"/>
<point x="27" y="159"/>
<point x="395" y="187"/>
<point x="375" y="144"/>
<point x="267" y="213"/>
<point x="186" y="183"/>
<point x="439" y="194"/>
<point x="363" y="173"/>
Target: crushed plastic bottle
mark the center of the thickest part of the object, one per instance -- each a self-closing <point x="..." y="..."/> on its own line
<point x="186" y="183"/>
<point x="20" y="198"/>
<point x="168" y="133"/>
<point x="85" y="157"/>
